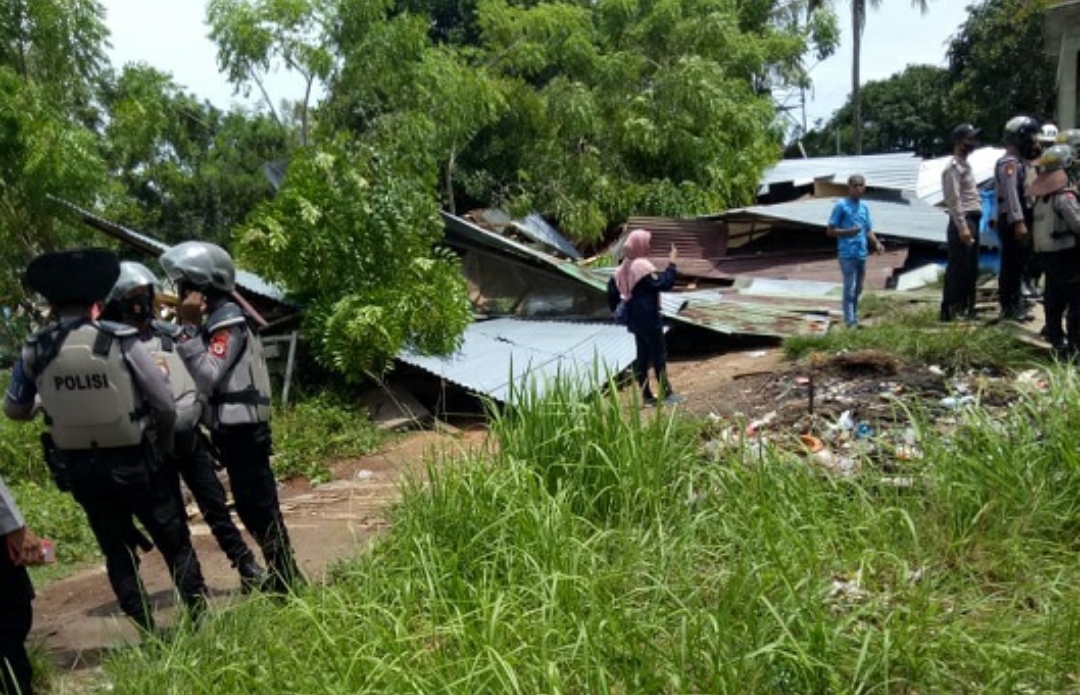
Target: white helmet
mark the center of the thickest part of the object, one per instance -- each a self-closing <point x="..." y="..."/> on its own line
<point x="201" y="264"/>
<point x="1049" y="133"/>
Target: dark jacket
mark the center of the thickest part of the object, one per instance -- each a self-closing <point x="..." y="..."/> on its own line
<point x="644" y="301"/>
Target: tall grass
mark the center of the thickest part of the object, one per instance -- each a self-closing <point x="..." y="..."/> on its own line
<point x="596" y="551"/>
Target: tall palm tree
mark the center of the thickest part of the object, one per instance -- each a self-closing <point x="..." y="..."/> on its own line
<point x="858" y="23"/>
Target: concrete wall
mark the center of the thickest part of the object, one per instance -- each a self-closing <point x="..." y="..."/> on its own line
<point x="1063" y="43"/>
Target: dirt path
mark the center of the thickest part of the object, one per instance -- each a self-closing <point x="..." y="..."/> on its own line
<point x="77" y="619"/>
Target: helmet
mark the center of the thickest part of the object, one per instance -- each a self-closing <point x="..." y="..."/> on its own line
<point x="1021" y="129"/>
<point x="201" y="264"/>
<point x="965" y="131"/>
<point x="132" y="276"/>
<point x="1069" y="137"/>
<point x="1056" y="158"/>
<point x="1049" y="133"/>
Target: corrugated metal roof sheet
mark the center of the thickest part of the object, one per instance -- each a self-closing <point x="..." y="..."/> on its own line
<point x="982" y="163"/>
<point x="249" y="282"/>
<point x="763" y="318"/>
<point x="699" y="241"/>
<point x="502" y="355"/>
<point x="905" y="219"/>
<point x="898" y="170"/>
<point x="536" y="227"/>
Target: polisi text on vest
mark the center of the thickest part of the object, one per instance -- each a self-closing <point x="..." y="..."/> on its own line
<point x="81" y="382"/>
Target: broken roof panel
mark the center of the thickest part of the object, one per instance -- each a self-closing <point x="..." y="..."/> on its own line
<point x="247" y="281"/>
<point x="533" y="226"/>
<point x="982" y="163"/>
<point x="897" y="170"/>
<point x="750" y="317"/>
<point x="905" y="219"/>
<point x="500" y="356"/>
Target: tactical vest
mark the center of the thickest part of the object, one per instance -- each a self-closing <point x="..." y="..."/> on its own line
<point x="1050" y="233"/>
<point x="243" y="394"/>
<point x="86" y="386"/>
<point x="162" y="348"/>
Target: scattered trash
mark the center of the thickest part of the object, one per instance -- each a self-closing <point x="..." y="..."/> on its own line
<point x="845" y="421"/>
<point x="757" y="353"/>
<point x="764" y="421"/>
<point x="864" y="430"/>
<point x="811" y="442"/>
<point x="955" y="403"/>
<point x="936" y="370"/>
<point x="364" y="474"/>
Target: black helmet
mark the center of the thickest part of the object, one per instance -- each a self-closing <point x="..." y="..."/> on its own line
<point x="965" y="131"/>
<point x="1021" y="129"/>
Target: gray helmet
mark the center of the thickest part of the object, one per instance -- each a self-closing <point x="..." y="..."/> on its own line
<point x="1056" y="158"/>
<point x="1070" y="137"/>
<point x="132" y="275"/>
<point x="1020" y="129"/>
<point x="201" y="264"/>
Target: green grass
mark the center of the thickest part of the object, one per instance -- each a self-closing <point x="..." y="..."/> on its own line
<point x="595" y="551"/>
<point x="310" y="434"/>
<point x="915" y="334"/>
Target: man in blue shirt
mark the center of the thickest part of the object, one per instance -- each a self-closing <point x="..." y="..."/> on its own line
<point x="850" y="225"/>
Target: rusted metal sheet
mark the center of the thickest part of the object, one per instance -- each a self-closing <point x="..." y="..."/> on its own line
<point x="698" y="242"/>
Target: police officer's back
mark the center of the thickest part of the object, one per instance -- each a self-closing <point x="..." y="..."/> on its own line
<point x="104" y="399"/>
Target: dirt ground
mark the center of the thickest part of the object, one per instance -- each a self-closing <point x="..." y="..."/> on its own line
<point x="77" y="619"/>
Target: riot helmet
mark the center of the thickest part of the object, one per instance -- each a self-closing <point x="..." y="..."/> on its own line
<point x="201" y="266"/>
<point x="123" y="303"/>
<point x="1048" y="133"/>
<point x="1070" y="137"/>
<point x="1056" y="158"/>
<point x="1023" y="132"/>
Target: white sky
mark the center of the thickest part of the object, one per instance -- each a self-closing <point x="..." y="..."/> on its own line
<point x="171" y="36"/>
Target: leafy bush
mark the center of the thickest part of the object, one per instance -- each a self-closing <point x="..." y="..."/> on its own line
<point x="311" y="433"/>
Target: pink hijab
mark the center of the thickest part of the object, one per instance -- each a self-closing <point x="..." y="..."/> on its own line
<point x="635" y="265"/>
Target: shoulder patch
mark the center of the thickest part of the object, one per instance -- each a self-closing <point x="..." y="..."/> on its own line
<point x="1010" y="168"/>
<point x="219" y="344"/>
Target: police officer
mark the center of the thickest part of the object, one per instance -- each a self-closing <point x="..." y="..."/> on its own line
<point x="1014" y="213"/>
<point x="104" y="398"/>
<point x="225" y="358"/>
<point x="19" y="548"/>
<point x="1055" y="230"/>
<point x="963" y="203"/>
<point x="132" y="302"/>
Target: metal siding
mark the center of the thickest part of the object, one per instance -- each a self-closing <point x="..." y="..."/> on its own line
<point x="911" y="219"/>
<point x="499" y="353"/>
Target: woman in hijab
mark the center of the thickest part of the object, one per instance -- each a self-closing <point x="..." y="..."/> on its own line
<point x="637" y="285"/>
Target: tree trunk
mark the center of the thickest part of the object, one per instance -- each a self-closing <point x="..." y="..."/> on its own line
<point x="857" y="9"/>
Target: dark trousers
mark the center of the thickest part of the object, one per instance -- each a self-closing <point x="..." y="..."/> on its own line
<point x="1014" y="260"/>
<point x="195" y="465"/>
<point x="245" y="453"/>
<point x="16" y="617"/>
<point x="961" y="272"/>
<point x="1062" y="297"/>
<point x="651" y="352"/>
<point x="113" y="486"/>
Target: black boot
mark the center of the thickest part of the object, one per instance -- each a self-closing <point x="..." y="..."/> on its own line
<point x="252" y="575"/>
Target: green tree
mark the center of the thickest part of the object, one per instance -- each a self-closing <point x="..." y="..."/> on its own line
<point x="999" y="67"/>
<point x="51" y="51"/>
<point x="858" y="24"/>
<point x="352" y="234"/>
<point x="256" y="37"/>
<point x="183" y="168"/>
<point x="907" y="112"/>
